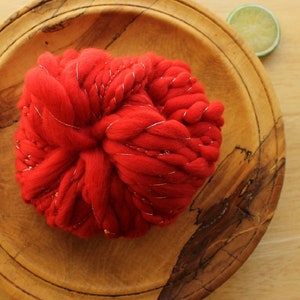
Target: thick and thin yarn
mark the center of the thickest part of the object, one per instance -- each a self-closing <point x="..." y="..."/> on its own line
<point x="110" y="145"/>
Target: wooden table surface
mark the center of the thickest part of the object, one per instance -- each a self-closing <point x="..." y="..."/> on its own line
<point x="273" y="270"/>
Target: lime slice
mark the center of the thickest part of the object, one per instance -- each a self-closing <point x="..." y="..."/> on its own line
<point x="258" y="26"/>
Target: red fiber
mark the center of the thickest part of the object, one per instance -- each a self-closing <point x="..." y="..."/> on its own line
<point x="114" y="145"/>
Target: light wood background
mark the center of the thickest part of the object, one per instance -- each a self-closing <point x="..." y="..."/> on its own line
<point x="273" y="270"/>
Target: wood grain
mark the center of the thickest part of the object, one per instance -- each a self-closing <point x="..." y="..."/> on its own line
<point x="227" y="218"/>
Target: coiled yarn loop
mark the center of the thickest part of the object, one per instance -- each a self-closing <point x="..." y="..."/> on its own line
<point x="114" y="145"/>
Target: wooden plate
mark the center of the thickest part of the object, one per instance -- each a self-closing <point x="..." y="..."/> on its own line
<point x="227" y="218"/>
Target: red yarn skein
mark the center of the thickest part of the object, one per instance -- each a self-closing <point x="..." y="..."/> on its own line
<point x="114" y="145"/>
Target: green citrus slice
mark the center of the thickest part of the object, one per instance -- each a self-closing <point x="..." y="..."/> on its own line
<point x="258" y="26"/>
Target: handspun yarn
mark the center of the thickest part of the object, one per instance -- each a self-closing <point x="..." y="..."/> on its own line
<point x="114" y="145"/>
